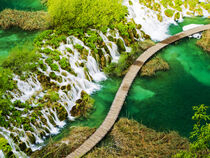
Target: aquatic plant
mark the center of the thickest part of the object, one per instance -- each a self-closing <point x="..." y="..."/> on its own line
<point x="204" y="42"/>
<point x="127" y="138"/>
<point x="27" y="20"/>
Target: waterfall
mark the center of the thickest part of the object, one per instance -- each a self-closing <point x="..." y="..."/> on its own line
<point x="158" y="30"/>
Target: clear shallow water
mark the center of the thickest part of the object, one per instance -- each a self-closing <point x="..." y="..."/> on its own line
<point x="13" y="37"/>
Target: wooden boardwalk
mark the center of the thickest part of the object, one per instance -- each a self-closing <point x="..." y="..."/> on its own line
<point x="123" y="91"/>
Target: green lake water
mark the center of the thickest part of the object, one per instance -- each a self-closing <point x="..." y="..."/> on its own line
<point x="163" y="102"/>
<point x="30" y="5"/>
<point x="15" y="36"/>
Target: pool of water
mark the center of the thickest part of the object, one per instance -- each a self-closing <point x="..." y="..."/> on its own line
<point x="13" y="37"/>
<point x="164" y="102"/>
<point x="31" y="5"/>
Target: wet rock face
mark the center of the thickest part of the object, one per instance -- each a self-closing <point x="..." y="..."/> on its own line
<point x="83" y="106"/>
<point x="120" y="45"/>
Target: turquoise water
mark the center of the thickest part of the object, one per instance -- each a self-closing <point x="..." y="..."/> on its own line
<point x="13" y="37"/>
<point x="163" y="102"/>
<point x="30" y="5"/>
<point x="169" y="97"/>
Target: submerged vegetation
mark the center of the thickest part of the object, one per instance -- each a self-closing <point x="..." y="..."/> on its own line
<point x="204" y="42"/>
<point x="153" y="65"/>
<point x="26" y="20"/>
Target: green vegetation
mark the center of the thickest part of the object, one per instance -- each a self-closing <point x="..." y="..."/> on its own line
<point x="53" y="96"/>
<point x="127" y="59"/>
<point x="204" y="42"/>
<point x="85" y="13"/>
<point x="4" y="146"/>
<point x="127" y="138"/>
<point x="200" y="147"/>
<point x="21" y="59"/>
<point x="27" y="20"/>
<point x="83" y="106"/>
<point x="153" y="65"/>
<point x="169" y="12"/>
<point x="77" y="136"/>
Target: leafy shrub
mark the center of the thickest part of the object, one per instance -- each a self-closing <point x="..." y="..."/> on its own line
<point x="64" y="63"/>
<point x="200" y="135"/>
<point x="53" y="96"/>
<point x="54" y="67"/>
<point x="21" y="59"/>
<point x="6" y="82"/>
<point x="85" y="13"/>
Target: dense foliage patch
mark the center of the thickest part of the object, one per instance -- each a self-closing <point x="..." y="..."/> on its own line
<point x="85" y="13"/>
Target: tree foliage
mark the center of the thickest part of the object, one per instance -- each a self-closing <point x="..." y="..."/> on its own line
<point x="85" y="13"/>
<point x="200" y="135"/>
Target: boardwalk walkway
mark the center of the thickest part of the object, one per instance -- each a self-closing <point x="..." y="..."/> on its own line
<point x="123" y="91"/>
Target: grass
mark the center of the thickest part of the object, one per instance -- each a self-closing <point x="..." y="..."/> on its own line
<point x="128" y="138"/>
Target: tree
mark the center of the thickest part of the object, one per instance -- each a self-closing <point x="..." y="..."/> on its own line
<point x="200" y="135"/>
<point x="85" y="13"/>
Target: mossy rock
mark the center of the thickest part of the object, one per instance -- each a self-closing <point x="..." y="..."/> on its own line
<point x="138" y="26"/>
<point x="177" y="16"/>
<point x="53" y="75"/>
<point x="159" y="17"/>
<point x="110" y="38"/>
<point x="83" y="106"/>
<point x="169" y="12"/>
<point x="130" y="2"/>
<point x="31" y="137"/>
<point x="22" y="146"/>
<point x="120" y="45"/>
<point x="131" y="34"/>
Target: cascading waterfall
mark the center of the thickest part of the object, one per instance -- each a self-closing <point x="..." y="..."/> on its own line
<point x="157" y="29"/>
<point x="82" y="80"/>
<point x="32" y="88"/>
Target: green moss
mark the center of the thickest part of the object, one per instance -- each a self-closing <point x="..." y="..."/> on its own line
<point x="83" y="105"/>
<point x="130" y="2"/>
<point x="78" y="47"/>
<point x="54" y="67"/>
<point x="4" y="146"/>
<point x="120" y="45"/>
<point x="177" y="16"/>
<point x="169" y="12"/>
